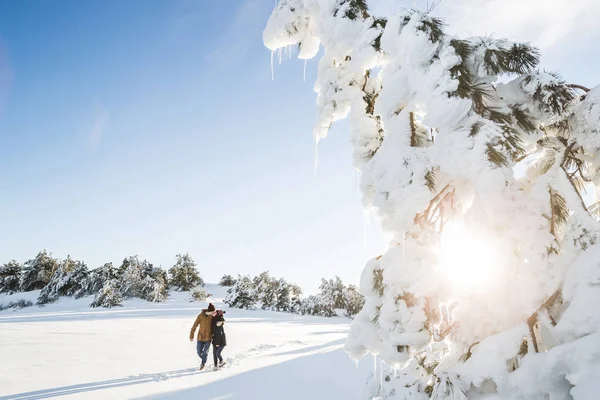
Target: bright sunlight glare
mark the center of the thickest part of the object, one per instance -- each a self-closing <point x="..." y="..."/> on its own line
<point x="468" y="259"/>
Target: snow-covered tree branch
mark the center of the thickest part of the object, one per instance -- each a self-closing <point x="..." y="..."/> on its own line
<point x="488" y="286"/>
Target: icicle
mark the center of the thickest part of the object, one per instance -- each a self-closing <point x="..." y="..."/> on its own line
<point x="374" y="365"/>
<point x="290" y="53"/>
<point x="316" y="163"/>
<point x="279" y="54"/>
<point x="272" y="69"/>
<point x="366" y="222"/>
<point x="304" y="74"/>
<point x="380" y="376"/>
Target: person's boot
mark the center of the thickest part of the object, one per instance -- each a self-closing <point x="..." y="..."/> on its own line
<point x="202" y="366"/>
<point x="222" y="363"/>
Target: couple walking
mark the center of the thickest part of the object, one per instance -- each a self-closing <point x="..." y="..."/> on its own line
<point x="211" y="330"/>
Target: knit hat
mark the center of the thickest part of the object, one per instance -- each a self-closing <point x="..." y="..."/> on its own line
<point x="211" y="307"/>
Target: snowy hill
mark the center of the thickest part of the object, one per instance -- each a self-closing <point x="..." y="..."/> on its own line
<point x="142" y="351"/>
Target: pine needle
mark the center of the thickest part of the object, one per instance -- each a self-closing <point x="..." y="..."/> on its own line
<point x="430" y="180"/>
<point x="560" y="211"/>
<point x="546" y="161"/>
<point x="480" y="94"/>
<point x="496" y="157"/>
<point x="475" y="128"/>
<point x="378" y="23"/>
<point x="433" y="6"/>
<point x="594" y="210"/>
<point x="499" y="117"/>
<point x="555" y="97"/>
<point x="461" y="72"/>
<point x="523" y="349"/>
<point x="434" y="27"/>
<point x="518" y="59"/>
<point x="356" y="9"/>
<point x="378" y="285"/>
<point x="409" y="299"/>
<point x="522" y="58"/>
<point x="523" y="120"/>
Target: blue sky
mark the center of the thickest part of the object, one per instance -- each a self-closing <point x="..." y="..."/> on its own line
<point x="153" y="128"/>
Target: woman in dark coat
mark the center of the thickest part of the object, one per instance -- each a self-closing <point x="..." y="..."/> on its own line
<point x="219" y="339"/>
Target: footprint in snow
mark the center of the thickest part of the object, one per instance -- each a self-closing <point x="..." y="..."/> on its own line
<point x="261" y="348"/>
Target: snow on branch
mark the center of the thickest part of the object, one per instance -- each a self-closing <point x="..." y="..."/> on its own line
<point x="428" y="110"/>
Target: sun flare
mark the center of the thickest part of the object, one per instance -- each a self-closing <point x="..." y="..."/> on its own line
<point x="468" y="258"/>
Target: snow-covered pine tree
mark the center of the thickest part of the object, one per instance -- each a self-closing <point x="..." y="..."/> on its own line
<point x="50" y="293"/>
<point x="283" y="295"/>
<point x="439" y="125"/>
<point x="38" y="272"/>
<point x="132" y="278"/>
<point x="10" y="277"/>
<point x="227" y="281"/>
<point x="333" y="297"/>
<point x="159" y="273"/>
<point x="109" y="296"/>
<point x="353" y="301"/>
<point x="143" y="280"/>
<point x="155" y="289"/>
<point x="242" y="294"/>
<point x="317" y="305"/>
<point x="332" y="291"/>
<point x="148" y="269"/>
<point x="99" y="276"/>
<point x="79" y="281"/>
<point x="295" y="298"/>
<point x="265" y="287"/>
<point x="183" y="275"/>
<point x="126" y="263"/>
<point x="199" y="293"/>
<point x="70" y="279"/>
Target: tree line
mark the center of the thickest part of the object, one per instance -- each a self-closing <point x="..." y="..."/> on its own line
<point x="109" y="285"/>
<point x="275" y="294"/>
<point x="136" y="278"/>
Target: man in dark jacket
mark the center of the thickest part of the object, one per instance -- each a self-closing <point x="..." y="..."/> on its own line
<point x="219" y="339"/>
<point x="204" y="320"/>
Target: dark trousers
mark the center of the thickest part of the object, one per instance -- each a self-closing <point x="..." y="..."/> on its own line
<point x="217" y="353"/>
<point x="202" y="349"/>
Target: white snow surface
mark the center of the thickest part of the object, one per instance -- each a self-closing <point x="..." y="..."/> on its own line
<point x="142" y="351"/>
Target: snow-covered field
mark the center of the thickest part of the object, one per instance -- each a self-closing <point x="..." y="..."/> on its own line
<point x="142" y="351"/>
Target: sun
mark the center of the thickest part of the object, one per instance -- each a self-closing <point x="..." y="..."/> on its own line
<point x="468" y="258"/>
